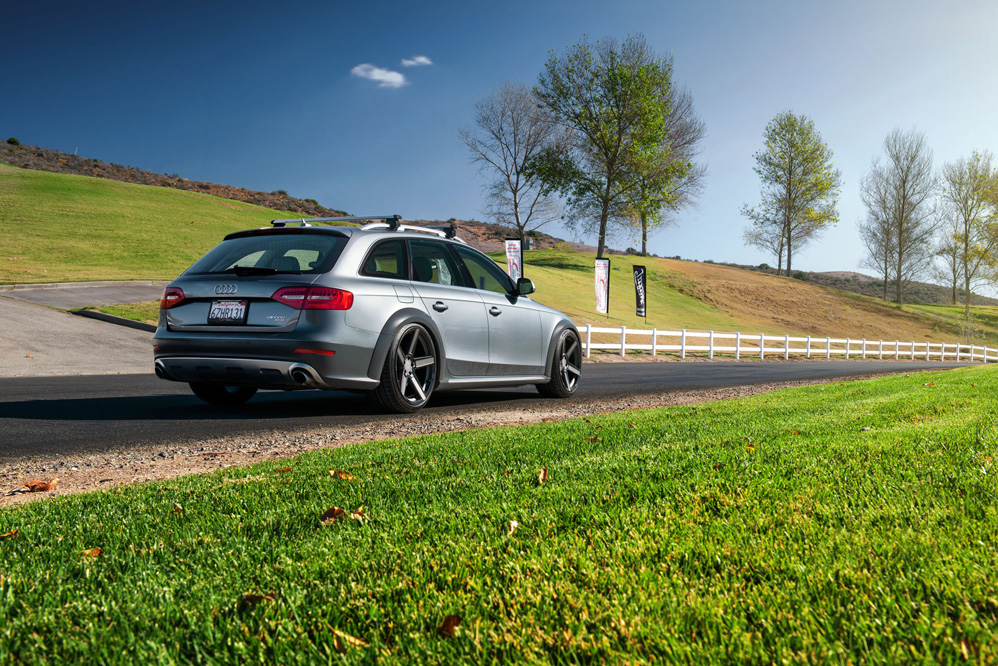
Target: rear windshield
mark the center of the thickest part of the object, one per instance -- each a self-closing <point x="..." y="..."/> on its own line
<point x="268" y="254"/>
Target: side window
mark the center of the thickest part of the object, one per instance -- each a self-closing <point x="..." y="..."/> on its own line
<point x="387" y="260"/>
<point x="485" y="273"/>
<point x="433" y="262"/>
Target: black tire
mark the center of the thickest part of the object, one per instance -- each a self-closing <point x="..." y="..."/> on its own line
<point x="566" y="367"/>
<point x="410" y="372"/>
<point x="222" y="394"/>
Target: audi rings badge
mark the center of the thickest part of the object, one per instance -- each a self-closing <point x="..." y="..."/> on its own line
<point x="226" y="288"/>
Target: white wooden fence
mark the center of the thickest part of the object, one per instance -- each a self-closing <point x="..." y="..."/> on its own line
<point x="759" y="346"/>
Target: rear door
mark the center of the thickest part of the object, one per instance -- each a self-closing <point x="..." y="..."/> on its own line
<point x="457" y="311"/>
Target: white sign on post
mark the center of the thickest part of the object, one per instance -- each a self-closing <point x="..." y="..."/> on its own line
<point x="514" y="259"/>
<point x="602" y="286"/>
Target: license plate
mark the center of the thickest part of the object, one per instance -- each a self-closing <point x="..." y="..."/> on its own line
<point x="227" y="312"/>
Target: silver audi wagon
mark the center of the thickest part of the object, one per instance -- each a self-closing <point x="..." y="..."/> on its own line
<point x="394" y="310"/>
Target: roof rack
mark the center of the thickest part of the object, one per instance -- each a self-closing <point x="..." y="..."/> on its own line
<point x="391" y="220"/>
<point x="443" y="231"/>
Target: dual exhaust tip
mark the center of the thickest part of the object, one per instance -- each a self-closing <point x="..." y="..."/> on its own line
<point x="301" y="375"/>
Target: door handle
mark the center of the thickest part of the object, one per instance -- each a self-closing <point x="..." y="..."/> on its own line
<point x="439" y="306"/>
<point x="494" y="311"/>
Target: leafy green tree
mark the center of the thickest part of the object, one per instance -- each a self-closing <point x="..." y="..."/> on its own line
<point x="664" y="187"/>
<point x="615" y="100"/>
<point x="800" y="187"/>
<point x="970" y="188"/>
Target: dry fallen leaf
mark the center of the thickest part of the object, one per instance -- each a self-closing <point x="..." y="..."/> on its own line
<point x="41" y="486"/>
<point x="512" y="527"/>
<point x="718" y="467"/>
<point x="178" y="511"/>
<point x="251" y="598"/>
<point x="967" y="649"/>
<point x="929" y="384"/>
<point x="543" y="476"/>
<point x="633" y="425"/>
<point x="750" y="448"/>
<point x="283" y="470"/>
<point x="331" y="514"/>
<point x="13" y="534"/>
<point x="447" y="627"/>
<point x="594" y="439"/>
<point x="342" y="641"/>
<point x="28" y="356"/>
<point x="359" y="515"/>
<point x="93" y="552"/>
<point x="341" y="474"/>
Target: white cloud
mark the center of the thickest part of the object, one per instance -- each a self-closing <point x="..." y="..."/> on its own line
<point x="415" y="61"/>
<point x="386" y="78"/>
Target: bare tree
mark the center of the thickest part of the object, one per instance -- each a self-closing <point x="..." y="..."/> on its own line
<point x="877" y="232"/>
<point x="898" y="196"/>
<point x="510" y="129"/>
<point x="800" y="185"/>
<point x="949" y="269"/>
<point x="970" y="187"/>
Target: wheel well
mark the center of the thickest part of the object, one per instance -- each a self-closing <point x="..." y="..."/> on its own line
<point x="387" y="334"/>
<point x="552" y="344"/>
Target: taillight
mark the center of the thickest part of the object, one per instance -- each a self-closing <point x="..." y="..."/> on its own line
<point x="172" y="296"/>
<point x="314" y="298"/>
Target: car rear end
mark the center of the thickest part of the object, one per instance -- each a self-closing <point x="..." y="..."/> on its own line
<point x="261" y="310"/>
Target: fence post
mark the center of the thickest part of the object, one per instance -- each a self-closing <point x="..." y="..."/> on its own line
<point x="809" y="346"/>
<point x="682" y="344"/>
<point x="589" y="338"/>
<point x="927" y="345"/>
<point x="848" y="341"/>
<point x="762" y="345"/>
<point x="942" y="352"/>
<point x="880" y="351"/>
<point x="864" y="349"/>
<point x="897" y="350"/>
<point x="786" y="347"/>
<point x="828" y="347"/>
<point x="738" y="345"/>
<point x="985" y="354"/>
<point x="912" y="350"/>
<point x="654" y="341"/>
<point x="710" y="345"/>
<point x="623" y="340"/>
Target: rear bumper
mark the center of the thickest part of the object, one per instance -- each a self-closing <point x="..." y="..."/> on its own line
<point x="256" y="372"/>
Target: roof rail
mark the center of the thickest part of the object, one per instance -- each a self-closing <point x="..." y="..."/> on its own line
<point x="391" y="220"/>
<point x="446" y="231"/>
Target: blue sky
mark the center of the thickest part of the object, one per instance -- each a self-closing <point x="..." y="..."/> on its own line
<point x="261" y="94"/>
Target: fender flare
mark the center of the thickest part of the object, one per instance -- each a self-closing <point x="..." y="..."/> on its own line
<point x="387" y="335"/>
<point x="560" y="327"/>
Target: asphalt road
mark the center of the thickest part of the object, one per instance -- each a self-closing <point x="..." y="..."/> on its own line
<point x="43" y="416"/>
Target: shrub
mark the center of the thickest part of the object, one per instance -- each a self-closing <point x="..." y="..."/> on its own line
<point x="14" y="142"/>
<point x="801" y="275"/>
<point x="764" y="267"/>
<point x="280" y="193"/>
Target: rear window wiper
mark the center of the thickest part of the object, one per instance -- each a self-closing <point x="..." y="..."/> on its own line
<point x="251" y="270"/>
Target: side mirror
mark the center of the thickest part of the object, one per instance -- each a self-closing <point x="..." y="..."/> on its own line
<point x="524" y="287"/>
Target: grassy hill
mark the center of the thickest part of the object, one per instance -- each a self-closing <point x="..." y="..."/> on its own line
<point x="60" y="227"/>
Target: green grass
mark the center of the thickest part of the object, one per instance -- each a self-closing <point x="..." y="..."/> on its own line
<point x="147" y="312"/>
<point x="62" y="228"/>
<point x="851" y="522"/>
<point x="984" y="319"/>
<point x="564" y="281"/>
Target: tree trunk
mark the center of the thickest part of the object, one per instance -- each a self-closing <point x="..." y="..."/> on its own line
<point x="644" y="235"/>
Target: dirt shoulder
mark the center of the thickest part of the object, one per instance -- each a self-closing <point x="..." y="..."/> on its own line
<point x="77" y="474"/>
